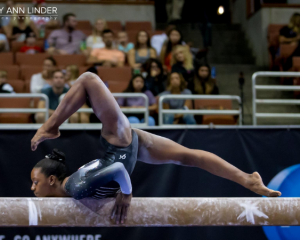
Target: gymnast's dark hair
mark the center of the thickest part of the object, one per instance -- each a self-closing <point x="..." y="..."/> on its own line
<point x="53" y="164"/>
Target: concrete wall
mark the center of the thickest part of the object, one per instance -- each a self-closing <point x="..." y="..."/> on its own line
<point x="257" y="25"/>
<point x="110" y="12"/>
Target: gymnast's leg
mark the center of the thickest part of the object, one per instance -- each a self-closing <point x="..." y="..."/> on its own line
<point x="116" y="128"/>
<point x="159" y="150"/>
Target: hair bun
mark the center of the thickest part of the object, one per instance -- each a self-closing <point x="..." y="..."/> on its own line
<point x="57" y="155"/>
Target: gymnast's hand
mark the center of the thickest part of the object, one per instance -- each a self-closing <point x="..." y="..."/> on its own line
<point x="122" y="204"/>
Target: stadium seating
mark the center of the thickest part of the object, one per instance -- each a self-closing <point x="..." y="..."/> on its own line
<point x="7" y="58"/>
<point x="216" y="104"/>
<point x="30" y="59"/>
<point x="13" y="71"/>
<point x="118" y="74"/>
<point x="137" y="26"/>
<point x="115" y="26"/>
<point x="18" y="85"/>
<point x="65" y="60"/>
<point x="15" y="117"/>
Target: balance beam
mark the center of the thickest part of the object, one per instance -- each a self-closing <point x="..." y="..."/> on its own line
<point x="150" y="212"/>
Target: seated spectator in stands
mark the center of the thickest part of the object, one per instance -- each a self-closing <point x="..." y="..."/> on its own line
<point x="107" y="56"/>
<point x="4" y="86"/>
<point x="20" y="28"/>
<point x="177" y="85"/>
<point x="42" y="22"/>
<point x="156" y="80"/>
<point x="66" y="40"/>
<point x="95" y="40"/>
<point x="137" y="85"/>
<point x="31" y="47"/>
<point x="123" y="44"/>
<point x="6" y="20"/>
<point x="43" y="79"/>
<point x="158" y="40"/>
<point x="141" y="52"/>
<point x="53" y="93"/>
<point x="182" y="62"/>
<point x="175" y="38"/>
<point x="291" y="35"/>
<point x="72" y="73"/>
<point x="4" y="45"/>
<point x="203" y="83"/>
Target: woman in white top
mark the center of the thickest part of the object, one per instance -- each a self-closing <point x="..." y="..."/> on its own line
<point x="95" y="40"/>
<point x="43" y="79"/>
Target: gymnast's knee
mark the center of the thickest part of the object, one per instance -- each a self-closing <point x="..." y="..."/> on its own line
<point x="88" y="77"/>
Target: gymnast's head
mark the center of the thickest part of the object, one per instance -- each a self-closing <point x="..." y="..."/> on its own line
<point x="48" y="174"/>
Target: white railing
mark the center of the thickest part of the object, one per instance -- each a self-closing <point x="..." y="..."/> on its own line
<point x="198" y="111"/>
<point x="255" y="101"/>
<point x="144" y="110"/>
<point x="26" y="110"/>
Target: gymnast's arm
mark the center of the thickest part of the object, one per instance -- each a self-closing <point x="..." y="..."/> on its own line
<point x="115" y="172"/>
<point x="119" y="174"/>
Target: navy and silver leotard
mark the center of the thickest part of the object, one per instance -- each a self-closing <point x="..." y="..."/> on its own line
<point x="103" y="177"/>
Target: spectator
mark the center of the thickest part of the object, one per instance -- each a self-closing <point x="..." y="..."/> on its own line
<point x="72" y="73"/>
<point x="156" y="79"/>
<point x="182" y="62"/>
<point x="107" y="56"/>
<point x="175" y="38"/>
<point x="42" y="22"/>
<point x="158" y="40"/>
<point x="4" y="46"/>
<point x="31" y="47"/>
<point x="43" y="79"/>
<point x="20" y="27"/>
<point x="95" y="40"/>
<point x="66" y="40"/>
<point x="4" y="86"/>
<point x="137" y="85"/>
<point x="53" y="93"/>
<point x="124" y="45"/>
<point x="142" y="51"/>
<point x="291" y="35"/>
<point x="177" y="85"/>
<point x="203" y="83"/>
<point x="6" y="20"/>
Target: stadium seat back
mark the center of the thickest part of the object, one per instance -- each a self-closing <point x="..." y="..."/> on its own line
<point x="212" y="104"/>
<point x="13" y="71"/>
<point x="116" y="86"/>
<point x="72" y="59"/>
<point x="7" y="58"/>
<point x="18" y="85"/>
<point x="115" y="26"/>
<point x="31" y="59"/>
<point x="137" y="26"/>
<point x="27" y="71"/>
<point x="119" y="74"/>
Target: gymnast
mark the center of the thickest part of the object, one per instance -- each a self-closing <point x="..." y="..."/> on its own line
<point x="121" y="147"/>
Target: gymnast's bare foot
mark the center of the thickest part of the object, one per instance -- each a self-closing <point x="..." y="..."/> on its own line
<point x="41" y="135"/>
<point x="255" y="184"/>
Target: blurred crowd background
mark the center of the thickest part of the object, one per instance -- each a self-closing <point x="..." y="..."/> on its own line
<point x="180" y="53"/>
